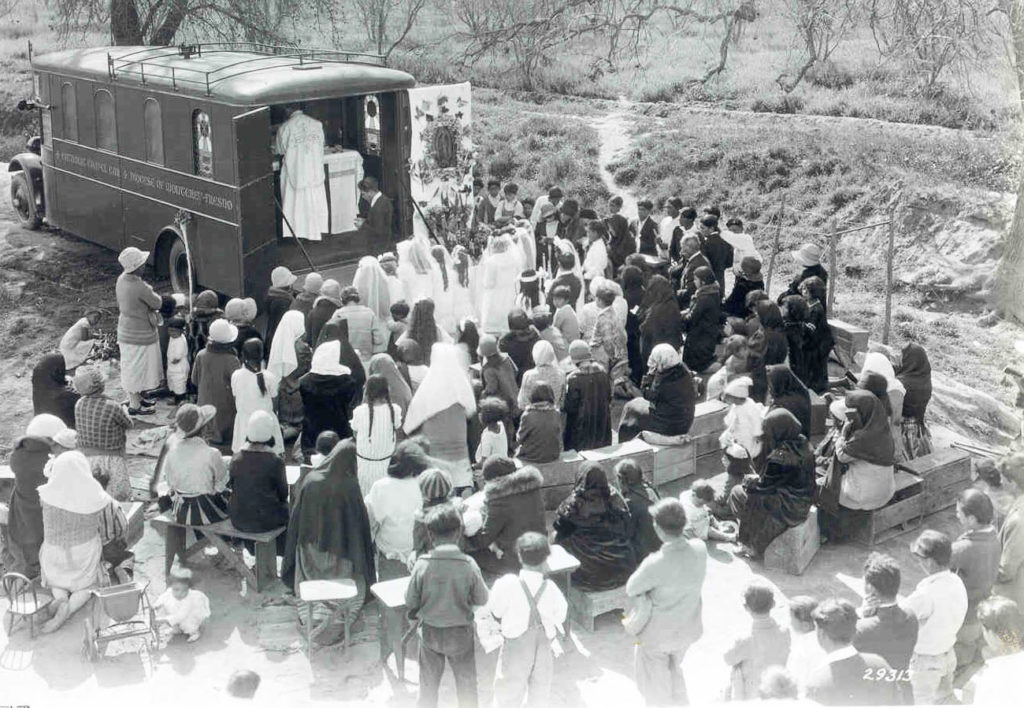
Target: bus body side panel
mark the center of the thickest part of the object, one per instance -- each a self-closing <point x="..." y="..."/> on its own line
<point x="216" y="249"/>
<point x="50" y="86"/>
<point x="131" y="131"/>
<point x="176" y="115"/>
<point x="90" y="201"/>
<point x="254" y="169"/>
<point x="146" y="219"/>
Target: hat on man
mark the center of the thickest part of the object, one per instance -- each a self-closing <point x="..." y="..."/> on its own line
<point x="518" y="320"/>
<point x="223" y="332"/>
<point x="751" y="268"/>
<point x="281" y="277"/>
<point x="579" y="351"/>
<point x="808" y="254"/>
<point x="191" y="418"/>
<point x="312" y="283"/>
<point x="262" y="428"/>
<point x="488" y="346"/>
<point x="131" y="259"/>
<point x="88" y="380"/>
<point x="734" y="221"/>
<point x="739" y="387"/>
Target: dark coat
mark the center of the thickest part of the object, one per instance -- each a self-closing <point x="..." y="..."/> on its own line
<point x="245" y="333"/>
<point x="662" y="323"/>
<point x="378" y="227"/>
<point x="890" y="632"/>
<point x="719" y="254"/>
<point x="639" y="499"/>
<point x="797" y="334"/>
<point x="545" y="248"/>
<point x="817" y="348"/>
<point x="540" y="433"/>
<point x="304" y="303"/>
<point x="259" y="491"/>
<point x="500" y="379"/>
<point x="321" y="313"/>
<point x="843" y="683"/>
<point x="570" y="281"/>
<point x="648" y="238"/>
<point x="278" y="302"/>
<point x="673" y="399"/>
<point x="808" y="272"/>
<point x="621" y="242"/>
<point x="513" y="505"/>
<point x="50" y="391"/>
<point x="588" y="396"/>
<point x="327" y="403"/>
<point x="687" y="283"/>
<point x="211" y="375"/>
<point x="703" y="324"/>
<point x="25" y="517"/>
<point x="736" y="304"/>
<point x="519" y="347"/>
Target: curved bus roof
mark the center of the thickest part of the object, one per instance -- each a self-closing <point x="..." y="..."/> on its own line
<point x="239" y="74"/>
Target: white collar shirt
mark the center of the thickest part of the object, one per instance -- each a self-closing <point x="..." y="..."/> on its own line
<point x="509" y="605"/>
<point x="940" y="604"/>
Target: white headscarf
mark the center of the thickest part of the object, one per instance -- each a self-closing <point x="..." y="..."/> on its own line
<point x="878" y="363"/>
<point x="282" y="359"/>
<point x="372" y="283"/>
<point x="419" y="254"/>
<point x="446" y="383"/>
<point x="663" y="356"/>
<point x="45" y="425"/>
<point x="326" y="360"/>
<point x="544" y="354"/>
<point x="71" y="486"/>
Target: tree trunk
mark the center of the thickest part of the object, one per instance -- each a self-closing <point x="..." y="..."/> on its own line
<point x="176" y="14"/>
<point x="124" y="23"/>
<point x="1016" y="14"/>
<point x="1010" y="282"/>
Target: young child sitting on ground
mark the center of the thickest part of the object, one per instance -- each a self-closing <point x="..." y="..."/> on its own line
<point x="531" y="610"/>
<point x="181" y="606"/>
<point x="444" y="588"/>
<point x="764" y="643"/>
<point x="177" y="359"/>
<point x="699" y="521"/>
<point x="78" y="344"/>
<point x="493" y="439"/>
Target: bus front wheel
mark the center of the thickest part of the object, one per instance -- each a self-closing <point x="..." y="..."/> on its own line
<point x="177" y="267"/>
<point x="23" y="202"/>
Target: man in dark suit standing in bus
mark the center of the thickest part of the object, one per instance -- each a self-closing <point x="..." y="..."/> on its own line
<point x="378" y="222"/>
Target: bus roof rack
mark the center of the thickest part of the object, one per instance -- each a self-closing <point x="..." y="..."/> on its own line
<point x="165" y="63"/>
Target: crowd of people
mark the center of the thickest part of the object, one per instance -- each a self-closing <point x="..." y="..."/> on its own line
<point x="420" y="399"/>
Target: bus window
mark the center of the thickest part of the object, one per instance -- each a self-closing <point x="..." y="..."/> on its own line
<point x="371" y="126"/>
<point x="70" y="111"/>
<point x="154" y="132"/>
<point x="202" y="145"/>
<point x="106" y="121"/>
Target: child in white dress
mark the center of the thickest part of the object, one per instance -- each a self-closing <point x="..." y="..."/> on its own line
<point x="177" y="359"/>
<point x="181" y="606"/>
<point x="493" y="439"/>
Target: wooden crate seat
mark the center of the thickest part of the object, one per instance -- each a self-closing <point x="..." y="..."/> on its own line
<point x="586" y="606"/>
<point x="794" y="549"/>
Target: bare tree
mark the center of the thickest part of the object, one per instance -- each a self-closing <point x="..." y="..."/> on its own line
<point x="388" y="22"/>
<point x="932" y="36"/>
<point x="531" y="31"/>
<point x="822" y="26"/>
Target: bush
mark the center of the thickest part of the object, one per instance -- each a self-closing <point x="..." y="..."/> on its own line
<point x="829" y="75"/>
<point x="778" y="104"/>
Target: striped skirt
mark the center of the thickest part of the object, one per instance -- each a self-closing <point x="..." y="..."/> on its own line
<point x="200" y="510"/>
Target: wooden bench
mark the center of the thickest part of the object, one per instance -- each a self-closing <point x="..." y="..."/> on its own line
<point x="792" y="551"/>
<point x="390" y="596"/>
<point x="849" y="341"/>
<point x="945" y="473"/>
<point x="891" y="520"/>
<point x="585" y="606"/>
<point x="215" y="535"/>
<point x="700" y="455"/>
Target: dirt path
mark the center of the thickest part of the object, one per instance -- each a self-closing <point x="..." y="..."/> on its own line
<point x="614" y="132"/>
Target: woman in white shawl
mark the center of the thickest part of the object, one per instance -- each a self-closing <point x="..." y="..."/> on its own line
<point x="498" y="285"/>
<point x="372" y="283"/>
<point x="79" y="517"/>
<point x="416" y="268"/>
<point x="440" y="410"/>
<point x="878" y="363"/>
<point x="289" y="361"/>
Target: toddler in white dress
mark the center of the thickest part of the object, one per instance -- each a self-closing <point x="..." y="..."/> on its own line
<point x="181" y="606"/>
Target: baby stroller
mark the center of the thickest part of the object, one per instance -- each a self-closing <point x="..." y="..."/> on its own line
<point x="119" y="612"/>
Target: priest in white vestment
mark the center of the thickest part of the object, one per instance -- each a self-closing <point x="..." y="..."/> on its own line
<point x="301" y="141"/>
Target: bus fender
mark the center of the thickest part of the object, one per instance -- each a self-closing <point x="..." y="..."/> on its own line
<point x="32" y="165"/>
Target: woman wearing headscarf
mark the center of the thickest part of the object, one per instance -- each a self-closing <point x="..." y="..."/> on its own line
<point x="211" y="375"/>
<point x="670" y="398"/>
<point x="915" y="373"/>
<point x="324" y="307"/>
<point x="102" y="431"/>
<point x="770" y="337"/>
<point x="593" y="525"/>
<point x="819" y="344"/>
<point x="545" y="370"/>
<point x="259" y="485"/>
<point x="703" y="321"/>
<point x="794" y="324"/>
<point x="499" y="271"/>
<point x="329" y="530"/>
<point x="639" y="496"/>
<point x="660" y="319"/>
<point x="29" y="457"/>
<point x="440" y="409"/>
<point x="398" y="388"/>
<point x="632" y="280"/>
<point x="337" y="331"/>
<point x="254" y="390"/>
<point x="786" y="391"/>
<point x="372" y="283"/>
<point x="78" y="519"/>
<point x="137" y="337"/>
<point x="50" y="390"/>
<point x="780" y="497"/>
<point x="894" y="393"/>
<point x="289" y="361"/>
<point x="861" y="475"/>
<point x="278" y="301"/>
<point x="328" y="395"/>
<point x="423" y="328"/>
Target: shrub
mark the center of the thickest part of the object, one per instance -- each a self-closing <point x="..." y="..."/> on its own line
<point x="830" y="75"/>
<point x="778" y="104"/>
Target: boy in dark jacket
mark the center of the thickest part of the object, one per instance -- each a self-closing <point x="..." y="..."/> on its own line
<point x="749" y="280"/>
<point x="518" y="342"/>
<point x="540" y="429"/>
<point x="513" y="505"/>
<point x="444" y="588"/>
<point x="498" y="372"/>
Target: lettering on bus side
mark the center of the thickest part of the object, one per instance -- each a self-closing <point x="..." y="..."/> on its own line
<point x="151" y="181"/>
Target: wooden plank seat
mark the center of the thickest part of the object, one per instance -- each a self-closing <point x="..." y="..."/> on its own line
<point x="794" y="549"/>
<point x="585" y="606"/>
<point x="335" y="591"/>
<point x="894" y="518"/>
<point x="217" y="535"/>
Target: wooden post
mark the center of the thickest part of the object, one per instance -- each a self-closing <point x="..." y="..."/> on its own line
<point x="888" y="269"/>
<point x="833" y="273"/>
<point x="775" y="247"/>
